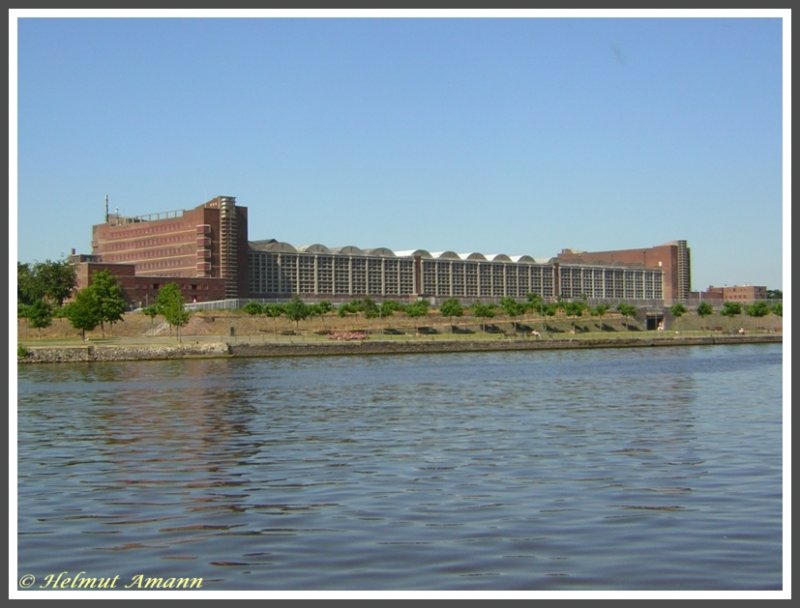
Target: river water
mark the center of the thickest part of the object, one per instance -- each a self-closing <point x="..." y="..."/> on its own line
<point x="609" y="469"/>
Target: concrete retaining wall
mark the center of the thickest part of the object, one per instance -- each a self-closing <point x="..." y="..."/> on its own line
<point x="68" y="354"/>
<point x="442" y="346"/>
<point x="367" y="347"/>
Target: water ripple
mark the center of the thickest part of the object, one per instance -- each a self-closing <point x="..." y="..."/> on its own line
<point x="538" y="470"/>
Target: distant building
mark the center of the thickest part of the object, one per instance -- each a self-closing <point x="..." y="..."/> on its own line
<point x="743" y="294"/>
<point x="206" y="251"/>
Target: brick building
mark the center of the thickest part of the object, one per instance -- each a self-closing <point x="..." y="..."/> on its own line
<point x="207" y="252"/>
<point x="673" y="259"/>
<point x="743" y="294"/>
<point x="139" y="290"/>
<point x="209" y="241"/>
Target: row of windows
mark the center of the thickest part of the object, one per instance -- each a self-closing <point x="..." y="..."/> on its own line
<point x="144" y="243"/>
<point x="287" y="273"/>
<point x="152" y="228"/>
<point x="485" y="279"/>
<point x="151" y="254"/>
<point x="143" y="267"/>
<point x="631" y="284"/>
<point x="312" y="274"/>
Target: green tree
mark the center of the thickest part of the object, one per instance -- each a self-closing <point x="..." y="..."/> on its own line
<point x="170" y="304"/>
<point x="389" y="307"/>
<point x="296" y="310"/>
<point x="324" y="307"/>
<point x="352" y="307"/>
<point x="253" y="308"/>
<point x="600" y="310"/>
<point x="483" y="311"/>
<point x="84" y="311"/>
<point x="370" y="309"/>
<point x="705" y="309"/>
<point x="273" y="311"/>
<point x="574" y="309"/>
<point x="450" y="308"/>
<point x="536" y="303"/>
<point x="774" y="294"/>
<point x="151" y="311"/>
<point x="777" y="309"/>
<point x="758" y="309"/>
<point x="678" y="310"/>
<point x="320" y="309"/>
<point x="731" y="309"/>
<point x="29" y="289"/>
<point x="416" y="311"/>
<point x="39" y="315"/>
<point x="550" y="309"/>
<point x="511" y="307"/>
<point x="56" y="279"/>
<point x="109" y="296"/>
<point x="627" y="311"/>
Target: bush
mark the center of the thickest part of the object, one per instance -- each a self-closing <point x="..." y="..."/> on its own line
<point x="253" y="308"/>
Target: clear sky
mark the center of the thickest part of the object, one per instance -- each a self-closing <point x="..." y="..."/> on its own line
<point x="516" y="136"/>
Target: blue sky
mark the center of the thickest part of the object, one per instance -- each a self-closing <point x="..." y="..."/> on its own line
<point x="516" y="136"/>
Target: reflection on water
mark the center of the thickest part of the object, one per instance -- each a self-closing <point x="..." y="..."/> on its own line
<point x="607" y="469"/>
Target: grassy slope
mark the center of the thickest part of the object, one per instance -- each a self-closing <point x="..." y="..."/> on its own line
<point x="235" y="326"/>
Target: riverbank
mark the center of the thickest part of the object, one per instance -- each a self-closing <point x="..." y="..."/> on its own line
<point x="224" y="349"/>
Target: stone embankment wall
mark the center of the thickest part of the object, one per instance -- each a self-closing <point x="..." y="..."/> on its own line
<point x="67" y="354"/>
<point x="443" y="346"/>
<point x="366" y="347"/>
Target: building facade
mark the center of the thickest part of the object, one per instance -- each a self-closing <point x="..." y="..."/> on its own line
<point x="743" y="294"/>
<point x="140" y="291"/>
<point x="672" y="259"/>
<point x="208" y="246"/>
<point x="209" y="241"/>
<point x="279" y="270"/>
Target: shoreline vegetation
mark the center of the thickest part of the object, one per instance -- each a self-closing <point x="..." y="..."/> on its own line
<point x="226" y="334"/>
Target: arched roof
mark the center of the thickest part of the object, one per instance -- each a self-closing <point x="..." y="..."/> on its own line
<point x="475" y="255"/>
<point x="381" y="251"/>
<point x="348" y="250"/>
<point x="272" y="245"/>
<point x="315" y="248"/>
<point x="413" y="252"/>
<point x="445" y="255"/>
<point x="275" y="246"/>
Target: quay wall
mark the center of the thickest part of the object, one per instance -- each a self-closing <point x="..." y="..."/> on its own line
<point x="92" y="353"/>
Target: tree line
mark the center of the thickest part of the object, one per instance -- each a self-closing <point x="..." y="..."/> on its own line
<point x="731" y="309"/>
<point x="44" y="287"/>
<point x="296" y="310"/>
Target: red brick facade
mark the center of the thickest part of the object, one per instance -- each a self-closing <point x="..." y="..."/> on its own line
<point x="672" y="258"/>
<point x="744" y="294"/>
<point x="207" y="242"/>
<point x="140" y="291"/>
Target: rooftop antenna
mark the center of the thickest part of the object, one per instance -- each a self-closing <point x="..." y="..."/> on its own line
<point x="106" y="208"/>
